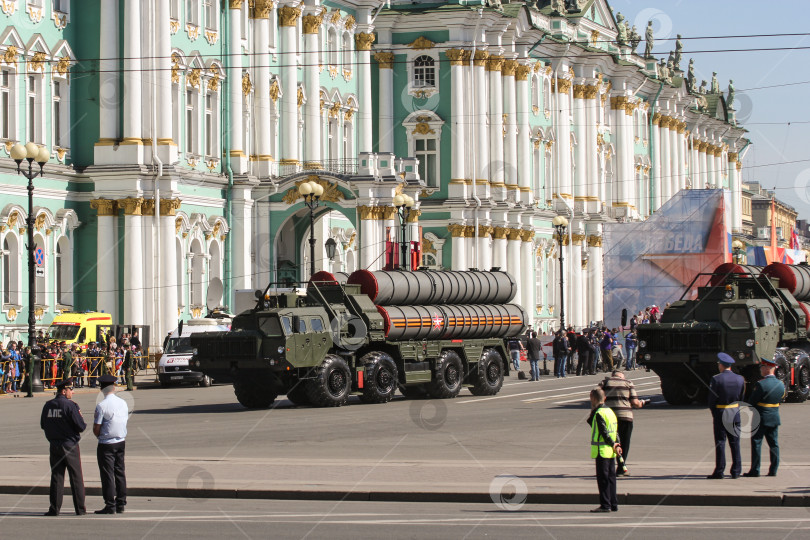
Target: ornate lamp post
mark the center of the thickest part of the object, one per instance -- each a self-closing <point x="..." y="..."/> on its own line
<point x="737" y="248"/>
<point x="403" y="204"/>
<point x="31" y="152"/>
<point x="311" y="191"/>
<point x="560" y="224"/>
<point x="331" y="247"/>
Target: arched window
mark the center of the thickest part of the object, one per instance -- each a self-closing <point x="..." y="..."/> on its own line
<point x="35" y="108"/>
<point x="214" y="268"/>
<point x="11" y="270"/>
<point x="195" y="274"/>
<point x="348" y="147"/>
<point x="333" y="46"/>
<point x="8" y="97"/>
<point x="536" y="91"/>
<point x="546" y="95"/>
<point x="424" y="72"/>
<point x="347" y="51"/>
<point x="64" y="272"/>
<point x="180" y="275"/>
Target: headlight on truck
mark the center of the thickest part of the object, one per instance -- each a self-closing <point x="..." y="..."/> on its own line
<point x="642" y="344"/>
<point x="750" y="343"/>
<point x="281" y="350"/>
<point x="647" y="356"/>
<point x="194" y="351"/>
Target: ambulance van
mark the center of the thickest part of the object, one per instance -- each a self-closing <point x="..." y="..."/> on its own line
<point x="79" y="328"/>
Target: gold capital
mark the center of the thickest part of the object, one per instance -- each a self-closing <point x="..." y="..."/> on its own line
<point x="456" y="56"/>
<point x="509" y="67"/>
<point x="563" y="86"/>
<point x="494" y="62"/>
<point x="363" y="41"/>
<point x="456" y="230"/>
<point x="235" y="4"/>
<point x="287" y="15"/>
<point x="594" y="241"/>
<point x="522" y="73"/>
<point x="732" y="157"/>
<point x="168" y="207"/>
<point x="131" y="206"/>
<point x="480" y="58"/>
<point x="500" y="233"/>
<point x="385" y="59"/>
<point x="104" y="207"/>
<point x="312" y="23"/>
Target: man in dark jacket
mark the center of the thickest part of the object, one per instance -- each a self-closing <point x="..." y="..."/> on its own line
<point x="560" y="348"/>
<point x="583" y="354"/>
<point x="725" y="391"/>
<point x="534" y="349"/>
<point x="572" y="344"/>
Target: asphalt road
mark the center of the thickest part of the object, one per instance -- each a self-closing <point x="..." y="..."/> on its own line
<point x="216" y="518"/>
<point x="542" y="421"/>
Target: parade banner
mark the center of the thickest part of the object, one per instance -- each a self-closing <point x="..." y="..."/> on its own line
<point x="652" y="262"/>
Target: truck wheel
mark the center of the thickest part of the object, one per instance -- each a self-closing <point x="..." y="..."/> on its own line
<point x="801" y="389"/>
<point x="206" y="381"/>
<point x="677" y="392"/>
<point x="782" y="371"/>
<point x="380" y="378"/>
<point x="332" y="383"/>
<point x="298" y="393"/>
<point x="489" y="374"/>
<point x="253" y="392"/>
<point x="448" y="377"/>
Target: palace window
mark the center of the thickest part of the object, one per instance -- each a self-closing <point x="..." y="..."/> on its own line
<point x="7" y="109"/>
<point x="192" y="126"/>
<point x="11" y="270"/>
<point x="62" y="6"/>
<point x="211" y="8"/>
<point x="333" y="47"/>
<point x="60" y="113"/>
<point x="348" y="152"/>
<point x="34" y="105"/>
<point x="35" y="3"/>
<point x="424" y="72"/>
<point x="211" y="131"/>
<point x="64" y="272"/>
<point x="193" y="12"/>
<point x="427" y="153"/>
<point x="174" y="9"/>
<point x="347" y="51"/>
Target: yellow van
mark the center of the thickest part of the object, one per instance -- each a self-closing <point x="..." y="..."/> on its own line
<point x="79" y="328"/>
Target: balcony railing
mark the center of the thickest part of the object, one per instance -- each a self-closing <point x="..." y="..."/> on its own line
<point x="334" y="166"/>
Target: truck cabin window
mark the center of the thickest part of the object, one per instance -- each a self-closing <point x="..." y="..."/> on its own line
<point x="286" y="323"/>
<point x="178" y="345"/>
<point x="736" y="318"/>
<point x="271" y="327"/>
<point x="316" y="325"/>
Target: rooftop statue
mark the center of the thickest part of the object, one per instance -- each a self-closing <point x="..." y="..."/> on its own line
<point x="690" y="76"/>
<point x="650" y="40"/>
<point x="715" y="85"/>
<point x="730" y="98"/>
<point x="635" y="38"/>
<point x="678" y="51"/>
<point x="663" y="71"/>
<point x="702" y="89"/>
<point x="621" y="38"/>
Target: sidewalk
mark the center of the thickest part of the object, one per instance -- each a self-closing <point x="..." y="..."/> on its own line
<point x="419" y="480"/>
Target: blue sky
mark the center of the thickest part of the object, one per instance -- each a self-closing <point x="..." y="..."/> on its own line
<point x="765" y="112"/>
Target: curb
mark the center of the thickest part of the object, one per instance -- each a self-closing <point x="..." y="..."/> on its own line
<point x="630" y="499"/>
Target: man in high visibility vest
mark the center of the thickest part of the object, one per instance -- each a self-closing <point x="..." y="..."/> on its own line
<point x="725" y="390"/>
<point x="766" y="397"/>
<point x="604" y="449"/>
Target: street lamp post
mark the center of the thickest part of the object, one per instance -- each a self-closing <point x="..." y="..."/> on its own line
<point x="737" y="247"/>
<point x="403" y="204"/>
<point x="30" y="152"/>
<point x="560" y="224"/>
<point x="311" y="191"/>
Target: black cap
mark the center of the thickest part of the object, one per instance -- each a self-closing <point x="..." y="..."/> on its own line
<point x="106" y="380"/>
<point x="63" y="383"/>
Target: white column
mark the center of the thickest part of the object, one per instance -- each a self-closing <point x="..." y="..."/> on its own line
<point x="109" y="97"/>
<point x="623" y="173"/>
<point x="592" y="103"/>
<point x="169" y="262"/>
<point x="457" y="121"/>
<point x="655" y="141"/>
<point x="524" y="146"/>
<point x="499" y="257"/>
<point x="496" y="160"/>
<point x="106" y="250"/>
<point x="241" y="233"/>
<point x="666" y="161"/>
<point x="481" y="174"/>
<point x="459" y="261"/>
<point x="133" y="75"/>
<point x="484" y="247"/>
<point x="563" y="143"/>
<point x="288" y="18"/>
<point x="261" y="98"/>
<point x="238" y="150"/>
<point x="575" y="316"/>
<point x="580" y="164"/>
<point x="510" y="150"/>
<point x="675" y="182"/>
<point x="312" y="108"/>
<point x="595" y="276"/>
<point x="167" y="148"/>
<point x="363" y="43"/>
<point x="705" y="178"/>
<point x="680" y="156"/>
<point x="718" y="169"/>
<point x="385" y="61"/>
<point x="133" y="268"/>
<point x="513" y="262"/>
<point x="368" y="243"/>
<point x="527" y="280"/>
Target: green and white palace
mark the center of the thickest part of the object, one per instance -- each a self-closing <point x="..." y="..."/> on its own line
<point x="179" y="132"/>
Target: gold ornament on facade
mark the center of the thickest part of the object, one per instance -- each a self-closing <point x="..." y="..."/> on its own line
<point x="331" y="193"/>
<point x="522" y="72"/>
<point x="500" y="233"/>
<point x="275" y="89"/>
<point x="333" y="72"/>
<point x="537" y="66"/>
<point x="562" y="86"/>
<point x="423" y="129"/>
<point x="300" y="97"/>
<point x="456" y="56"/>
<point x="174" y="27"/>
<point x="348" y="114"/>
<point x="311" y="23"/>
<point x="335" y="17"/>
<point x="577" y="239"/>
<point x="178" y="223"/>
<point x="194" y="78"/>
<point x="40" y="222"/>
<point x="247" y="86"/>
<point x="38" y="62"/>
<point x="526" y="235"/>
<point x="334" y="110"/>
<point x="579" y="91"/>
<point x="427" y="246"/>
<point x="350" y="22"/>
<point x="514" y="234"/>
<point x="484" y="231"/>
<point x="456" y="230"/>
<point x="287" y="15"/>
<point x="168" y="207"/>
<point x="494" y="62"/>
<point x="148" y="207"/>
<point x="10" y="56"/>
<point x="104" y="207"/>
<point x="413" y="217"/>
<point x="549" y="145"/>
<point x="509" y="67"/>
<point x="384" y="59"/>
<point x="63" y="66"/>
<point x="594" y="37"/>
<point x="591" y="91"/>
<point x="60" y="154"/>
<point x="594" y="241"/>
<point x="131" y="206"/>
<point x="213" y="82"/>
<point x="732" y="157"/>
<point x="363" y="41"/>
<point x="235" y="4"/>
<point x="420" y="44"/>
<point x="175" y="68"/>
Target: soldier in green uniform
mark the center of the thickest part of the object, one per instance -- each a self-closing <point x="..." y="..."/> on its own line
<point x="767" y="395"/>
<point x="67" y="362"/>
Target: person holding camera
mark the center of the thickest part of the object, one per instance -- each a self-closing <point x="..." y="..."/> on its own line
<point x="621" y="397"/>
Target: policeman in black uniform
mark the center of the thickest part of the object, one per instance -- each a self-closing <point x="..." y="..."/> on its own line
<point x="63" y="424"/>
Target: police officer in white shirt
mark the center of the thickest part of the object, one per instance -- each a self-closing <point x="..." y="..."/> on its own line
<point x="110" y="426"/>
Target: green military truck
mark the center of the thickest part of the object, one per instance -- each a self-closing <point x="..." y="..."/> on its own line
<point x="749" y="312"/>
<point x="422" y="332"/>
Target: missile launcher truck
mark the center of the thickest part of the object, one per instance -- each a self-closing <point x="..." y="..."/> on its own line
<point x="369" y="333"/>
<point x="748" y="312"/>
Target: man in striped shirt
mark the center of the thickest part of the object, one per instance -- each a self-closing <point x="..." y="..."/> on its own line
<point x="620" y="395"/>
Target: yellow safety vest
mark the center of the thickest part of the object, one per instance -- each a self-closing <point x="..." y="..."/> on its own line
<point x="599" y="447"/>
